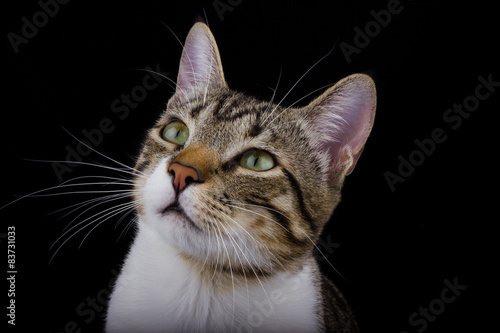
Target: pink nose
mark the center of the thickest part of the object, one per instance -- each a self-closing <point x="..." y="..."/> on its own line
<point x="183" y="176"/>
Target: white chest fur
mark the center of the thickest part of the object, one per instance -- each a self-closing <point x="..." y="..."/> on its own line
<point x="158" y="292"/>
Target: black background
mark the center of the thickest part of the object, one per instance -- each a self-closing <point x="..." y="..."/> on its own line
<point x="394" y="247"/>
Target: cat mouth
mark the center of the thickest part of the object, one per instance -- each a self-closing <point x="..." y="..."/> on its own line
<point x="176" y="209"/>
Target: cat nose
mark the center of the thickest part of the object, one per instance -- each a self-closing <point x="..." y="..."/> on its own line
<point x="183" y="176"/>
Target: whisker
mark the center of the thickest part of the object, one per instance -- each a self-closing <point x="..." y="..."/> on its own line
<point x="101" y="154"/>
<point x="82" y="204"/>
<point x="127" y="227"/>
<point x="250" y="265"/>
<point x="274" y="91"/>
<point x="122" y="218"/>
<point x="85" y="220"/>
<point x="218" y="255"/>
<point x="229" y="235"/>
<point x="208" y="246"/>
<point x="309" y="94"/>
<point x="161" y="75"/>
<point x="102" y="202"/>
<point x="107" y="213"/>
<point x="272" y="220"/>
<point x="128" y="208"/>
<point x="246" y="231"/>
<point x="300" y="79"/>
<point x="134" y="172"/>
<point x="305" y="234"/>
<point x="81" y="192"/>
<point x="284" y="123"/>
<point x="36" y="193"/>
<point x="230" y="267"/>
<point x="328" y="261"/>
<point x="253" y="212"/>
<point x="98" y="176"/>
<point x="258" y="206"/>
<point x="173" y="33"/>
<point x="233" y="241"/>
<point x="300" y="99"/>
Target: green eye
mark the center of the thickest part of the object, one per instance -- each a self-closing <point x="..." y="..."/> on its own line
<point x="176" y="132"/>
<point x="257" y="160"/>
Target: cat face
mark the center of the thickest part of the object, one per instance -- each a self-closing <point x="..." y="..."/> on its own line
<point x="239" y="184"/>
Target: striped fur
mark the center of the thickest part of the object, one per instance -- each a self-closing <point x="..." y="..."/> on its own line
<point x="240" y="231"/>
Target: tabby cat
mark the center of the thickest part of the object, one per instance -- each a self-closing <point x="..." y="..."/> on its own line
<point x="231" y="194"/>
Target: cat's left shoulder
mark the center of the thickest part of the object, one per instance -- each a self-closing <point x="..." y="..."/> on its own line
<point x="336" y="311"/>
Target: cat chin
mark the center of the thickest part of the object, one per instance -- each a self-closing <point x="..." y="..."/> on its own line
<point x="180" y="232"/>
<point x="176" y="228"/>
<point x="176" y="216"/>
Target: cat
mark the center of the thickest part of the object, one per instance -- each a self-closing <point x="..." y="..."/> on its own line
<point x="231" y="194"/>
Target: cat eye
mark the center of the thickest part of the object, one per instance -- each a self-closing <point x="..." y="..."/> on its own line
<point x="176" y="132"/>
<point x="257" y="160"/>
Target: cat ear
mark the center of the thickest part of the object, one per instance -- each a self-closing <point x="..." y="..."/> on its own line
<point x="200" y="66"/>
<point x="343" y="118"/>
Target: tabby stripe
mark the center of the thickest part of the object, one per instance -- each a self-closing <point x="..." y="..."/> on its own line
<point x="282" y="220"/>
<point x="295" y="185"/>
<point x="142" y="165"/>
<point x="256" y="129"/>
<point x="196" y="111"/>
<point x="235" y="115"/>
<point x="222" y="100"/>
<point x="231" y="109"/>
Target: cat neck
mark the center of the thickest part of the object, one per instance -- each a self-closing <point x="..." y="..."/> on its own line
<point x="156" y="276"/>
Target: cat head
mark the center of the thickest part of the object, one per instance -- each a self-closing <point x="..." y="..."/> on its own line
<point x="236" y="183"/>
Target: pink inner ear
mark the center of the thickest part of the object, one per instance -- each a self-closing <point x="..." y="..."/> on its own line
<point x="360" y="117"/>
<point x="346" y="118"/>
<point x="193" y="68"/>
<point x="200" y="66"/>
